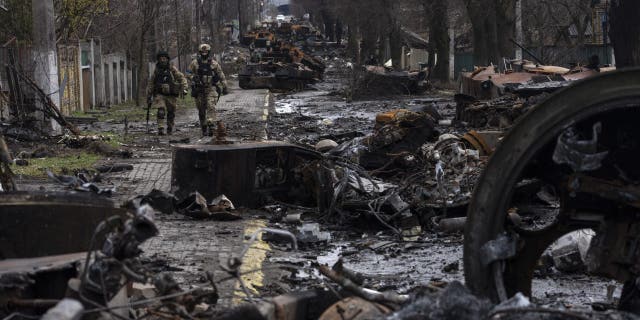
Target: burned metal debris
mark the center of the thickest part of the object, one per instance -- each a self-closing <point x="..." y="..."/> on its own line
<point x="575" y="169"/>
<point x="521" y="77"/>
<point x="249" y="174"/>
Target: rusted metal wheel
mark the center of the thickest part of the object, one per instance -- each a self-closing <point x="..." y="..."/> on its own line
<point x="595" y="190"/>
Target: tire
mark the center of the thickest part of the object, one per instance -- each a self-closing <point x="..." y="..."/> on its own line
<point x="487" y="210"/>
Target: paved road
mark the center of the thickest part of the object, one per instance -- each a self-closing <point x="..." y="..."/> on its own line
<point x="191" y="247"/>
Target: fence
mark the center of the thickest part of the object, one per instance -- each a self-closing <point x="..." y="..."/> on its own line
<point x="560" y="56"/>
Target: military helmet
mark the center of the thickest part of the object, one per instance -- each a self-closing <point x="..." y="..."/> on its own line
<point x="162" y="53"/>
<point x="204" y="47"/>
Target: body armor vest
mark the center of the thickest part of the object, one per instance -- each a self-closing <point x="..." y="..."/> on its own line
<point x="164" y="82"/>
<point x="208" y="77"/>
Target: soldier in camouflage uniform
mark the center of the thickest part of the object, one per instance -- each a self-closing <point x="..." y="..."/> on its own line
<point x="165" y="85"/>
<point x="209" y="83"/>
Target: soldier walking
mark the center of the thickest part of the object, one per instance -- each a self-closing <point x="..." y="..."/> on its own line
<point x="209" y="83"/>
<point x="165" y="85"/>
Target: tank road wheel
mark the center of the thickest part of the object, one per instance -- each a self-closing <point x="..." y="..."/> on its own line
<point x="570" y="164"/>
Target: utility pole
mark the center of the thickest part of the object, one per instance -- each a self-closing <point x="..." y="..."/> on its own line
<point x="45" y="56"/>
<point x="519" y="33"/>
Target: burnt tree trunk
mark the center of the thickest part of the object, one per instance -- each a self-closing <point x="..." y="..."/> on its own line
<point x="625" y="32"/>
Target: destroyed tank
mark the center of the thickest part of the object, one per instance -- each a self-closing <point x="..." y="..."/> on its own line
<point x="279" y="76"/>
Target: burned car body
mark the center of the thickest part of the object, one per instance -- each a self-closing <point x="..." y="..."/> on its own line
<point x="247" y="173"/>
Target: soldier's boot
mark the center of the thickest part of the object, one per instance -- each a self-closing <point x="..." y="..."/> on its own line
<point x="204" y="130"/>
<point x="161" y="131"/>
<point x="169" y="130"/>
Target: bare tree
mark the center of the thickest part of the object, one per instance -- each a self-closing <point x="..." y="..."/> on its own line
<point x="493" y="26"/>
<point x="147" y="12"/>
<point x="439" y="36"/>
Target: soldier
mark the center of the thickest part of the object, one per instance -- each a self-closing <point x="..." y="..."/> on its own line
<point x="165" y="85"/>
<point x="209" y="83"/>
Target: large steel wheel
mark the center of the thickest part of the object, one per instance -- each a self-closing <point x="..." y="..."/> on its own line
<point x="500" y="257"/>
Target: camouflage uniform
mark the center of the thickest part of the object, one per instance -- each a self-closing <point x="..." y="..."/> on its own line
<point x="209" y="82"/>
<point x="165" y="85"/>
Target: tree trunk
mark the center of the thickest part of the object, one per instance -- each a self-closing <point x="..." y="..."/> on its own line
<point x="440" y="37"/>
<point x="339" y="31"/>
<point x="625" y="32"/>
<point x="142" y="70"/>
<point x="505" y="28"/>
<point x="329" y="23"/>
<point x="396" y="47"/>
<point x="493" y="24"/>
<point x="198" y="23"/>
<point x="353" y="47"/>
<point x="241" y="20"/>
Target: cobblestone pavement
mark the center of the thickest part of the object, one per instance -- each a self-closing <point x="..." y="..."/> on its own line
<point x="186" y="247"/>
<point x="242" y="111"/>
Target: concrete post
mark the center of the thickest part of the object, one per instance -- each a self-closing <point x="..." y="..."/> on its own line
<point x="118" y="79"/>
<point x="109" y="65"/>
<point x="519" y="33"/>
<point x="103" y="90"/>
<point x="452" y="54"/>
<point x="93" y="75"/>
<point x="45" y="55"/>
<point x="125" y="73"/>
<point x="80" y="77"/>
